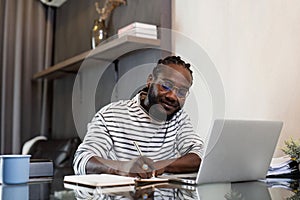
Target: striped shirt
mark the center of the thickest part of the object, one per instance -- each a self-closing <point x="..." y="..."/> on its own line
<point x="113" y="129"/>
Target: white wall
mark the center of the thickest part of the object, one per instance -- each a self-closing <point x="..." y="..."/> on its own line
<point x="255" y="46"/>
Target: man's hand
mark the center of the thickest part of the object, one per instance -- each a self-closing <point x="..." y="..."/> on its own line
<point x="138" y="167"/>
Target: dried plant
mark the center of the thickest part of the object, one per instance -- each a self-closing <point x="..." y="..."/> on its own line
<point x="108" y="7"/>
<point x="296" y="196"/>
<point x="292" y="148"/>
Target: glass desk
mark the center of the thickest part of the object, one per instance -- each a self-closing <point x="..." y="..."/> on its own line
<point x="55" y="189"/>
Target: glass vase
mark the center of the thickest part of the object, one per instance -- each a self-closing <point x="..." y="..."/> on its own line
<point x="99" y="32"/>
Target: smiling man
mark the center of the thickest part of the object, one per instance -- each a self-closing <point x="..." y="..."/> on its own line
<point x="154" y="119"/>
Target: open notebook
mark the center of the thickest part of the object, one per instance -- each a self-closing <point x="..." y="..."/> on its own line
<point x="108" y="183"/>
<point x="108" y="180"/>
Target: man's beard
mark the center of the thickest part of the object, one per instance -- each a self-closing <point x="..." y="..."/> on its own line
<point x="155" y="109"/>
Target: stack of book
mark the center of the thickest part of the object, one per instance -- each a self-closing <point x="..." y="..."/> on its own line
<point x="139" y="29"/>
<point x="283" y="167"/>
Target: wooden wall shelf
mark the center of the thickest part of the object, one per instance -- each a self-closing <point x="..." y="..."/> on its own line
<point x="109" y="51"/>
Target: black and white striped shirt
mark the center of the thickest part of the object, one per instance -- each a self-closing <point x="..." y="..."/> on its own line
<point x="113" y="129"/>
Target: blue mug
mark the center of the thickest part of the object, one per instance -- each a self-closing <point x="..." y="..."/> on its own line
<point x="14" y="169"/>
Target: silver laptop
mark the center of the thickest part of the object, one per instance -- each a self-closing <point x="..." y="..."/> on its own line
<point x="237" y="150"/>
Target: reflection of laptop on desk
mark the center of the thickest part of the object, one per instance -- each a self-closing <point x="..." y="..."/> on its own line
<point x="244" y="191"/>
<point x="237" y="150"/>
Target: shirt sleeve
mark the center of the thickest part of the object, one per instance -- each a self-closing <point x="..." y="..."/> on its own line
<point x="187" y="141"/>
<point x="97" y="142"/>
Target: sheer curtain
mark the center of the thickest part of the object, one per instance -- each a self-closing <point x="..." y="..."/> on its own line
<point x="25" y="48"/>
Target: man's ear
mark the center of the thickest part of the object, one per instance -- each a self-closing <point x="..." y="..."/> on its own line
<point x="149" y="80"/>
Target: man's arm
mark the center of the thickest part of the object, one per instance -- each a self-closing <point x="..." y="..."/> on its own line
<point x="185" y="164"/>
<point x="133" y="168"/>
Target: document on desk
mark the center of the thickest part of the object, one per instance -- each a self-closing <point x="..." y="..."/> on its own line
<point x="109" y="180"/>
<point x="281" y="166"/>
<point x="99" y="184"/>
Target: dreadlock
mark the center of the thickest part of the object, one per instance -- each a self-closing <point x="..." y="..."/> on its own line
<point x="172" y="60"/>
<point x="169" y="60"/>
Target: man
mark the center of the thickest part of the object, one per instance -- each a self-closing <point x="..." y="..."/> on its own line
<point x="154" y="119"/>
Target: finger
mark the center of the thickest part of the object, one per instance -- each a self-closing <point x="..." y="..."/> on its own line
<point x="151" y="174"/>
<point x="139" y="175"/>
<point x="145" y="173"/>
<point x="159" y="171"/>
<point x="154" y="174"/>
<point x="142" y="175"/>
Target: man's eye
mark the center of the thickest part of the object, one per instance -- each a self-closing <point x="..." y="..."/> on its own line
<point x="166" y="86"/>
<point x="182" y="92"/>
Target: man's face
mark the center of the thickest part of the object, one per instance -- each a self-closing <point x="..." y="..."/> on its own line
<point x="166" y="94"/>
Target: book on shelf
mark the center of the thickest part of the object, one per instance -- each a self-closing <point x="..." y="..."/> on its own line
<point x="137" y="25"/>
<point x="136" y="33"/>
<point x="139" y="31"/>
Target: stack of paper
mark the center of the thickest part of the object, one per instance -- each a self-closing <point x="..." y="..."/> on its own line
<point x="139" y="29"/>
<point x="281" y="165"/>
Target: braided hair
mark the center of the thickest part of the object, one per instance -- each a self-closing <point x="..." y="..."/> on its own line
<point x="169" y="60"/>
<point x="172" y="60"/>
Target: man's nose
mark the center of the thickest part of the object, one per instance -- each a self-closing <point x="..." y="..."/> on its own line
<point x="172" y="94"/>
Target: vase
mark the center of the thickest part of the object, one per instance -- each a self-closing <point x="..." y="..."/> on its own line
<point x="99" y="32"/>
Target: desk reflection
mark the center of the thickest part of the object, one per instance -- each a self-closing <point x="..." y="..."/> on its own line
<point x="275" y="190"/>
<point x="227" y="191"/>
<point x="9" y="192"/>
<point x="145" y="194"/>
<point x="230" y="191"/>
